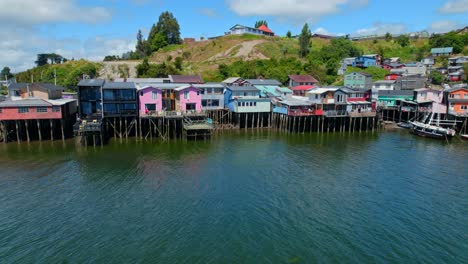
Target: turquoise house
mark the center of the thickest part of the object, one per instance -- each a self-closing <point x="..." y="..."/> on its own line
<point x="359" y="80"/>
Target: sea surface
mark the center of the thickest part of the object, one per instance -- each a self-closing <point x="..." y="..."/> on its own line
<point x="242" y="197"/>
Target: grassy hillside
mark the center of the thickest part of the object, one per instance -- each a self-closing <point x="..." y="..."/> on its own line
<point x="68" y="74"/>
<point x="239" y="54"/>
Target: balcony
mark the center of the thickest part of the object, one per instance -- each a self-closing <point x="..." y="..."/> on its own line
<point x="173" y="114"/>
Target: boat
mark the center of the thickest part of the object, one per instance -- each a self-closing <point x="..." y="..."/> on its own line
<point x="431" y="129"/>
<point x="405" y="125"/>
<point x="464" y="136"/>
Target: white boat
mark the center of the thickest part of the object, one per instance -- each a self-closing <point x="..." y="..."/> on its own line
<point x="430" y="129"/>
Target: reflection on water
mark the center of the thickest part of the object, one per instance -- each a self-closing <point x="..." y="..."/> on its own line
<point x="241" y="197"/>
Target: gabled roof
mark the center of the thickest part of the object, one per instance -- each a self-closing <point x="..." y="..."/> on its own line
<point x="48" y="86"/>
<point x="91" y="82"/>
<point x="209" y="85"/>
<point x="442" y="50"/>
<point x="302" y="78"/>
<point x="231" y="80"/>
<point x="181" y="88"/>
<point x="265" y="29"/>
<point x="17" y="86"/>
<point x="451" y="90"/>
<point x="243" y="88"/>
<point x="29" y="102"/>
<point x="143" y="80"/>
<point x="119" y="85"/>
<point x="263" y="82"/>
<point x="186" y="79"/>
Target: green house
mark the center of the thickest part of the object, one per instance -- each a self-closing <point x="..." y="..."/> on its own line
<point x="389" y="98"/>
<point x="360" y="80"/>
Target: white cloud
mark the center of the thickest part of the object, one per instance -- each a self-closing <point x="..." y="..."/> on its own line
<point x="443" y="26"/>
<point x="32" y="12"/>
<point x="454" y="6"/>
<point x="303" y="10"/>
<point x="19" y="54"/>
<point x="381" y="29"/>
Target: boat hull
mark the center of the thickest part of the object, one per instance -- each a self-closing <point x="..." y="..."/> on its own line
<point x="430" y="134"/>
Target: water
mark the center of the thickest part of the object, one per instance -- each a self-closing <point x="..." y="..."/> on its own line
<point x="253" y="197"/>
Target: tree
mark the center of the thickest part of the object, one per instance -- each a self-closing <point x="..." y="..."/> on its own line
<point x="6" y="73"/>
<point x="178" y="63"/>
<point x="403" y="40"/>
<point x="388" y="36"/>
<point x="141" y="44"/>
<point x="143" y="68"/>
<point x="169" y="27"/>
<point x="261" y="22"/>
<point x="42" y="59"/>
<point x="288" y="34"/>
<point x="436" y="78"/>
<point x="304" y="41"/>
<point x="158" y="42"/>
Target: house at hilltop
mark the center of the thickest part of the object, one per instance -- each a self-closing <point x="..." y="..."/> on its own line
<point x="240" y="29"/>
<point x="447" y="51"/>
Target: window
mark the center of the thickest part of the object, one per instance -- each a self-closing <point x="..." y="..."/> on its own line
<point x="150" y="107"/>
<point x="316" y="96"/>
<point x="141" y="93"/>
<point x="186" y="95"/>
<point x="204" y="103"/>
<point x="245" y="93"/>
<point x="239" y="104"/>
<point x="56" y="109"/>
<point x="154" y="95"/>
<point x="464" y="107"/>
<point x="23" y="109"/>
<point x="214" y="102"/>
<point x="1" y="110"/>
<point x="17" y="93"/>
<point x="41" y="109"/>
<point x="251" y="103"/>
<point x="198" y="93"/>
<point x="255" y="103"/>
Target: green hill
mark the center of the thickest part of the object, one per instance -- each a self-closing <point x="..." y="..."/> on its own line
<point x="244" y="55"/>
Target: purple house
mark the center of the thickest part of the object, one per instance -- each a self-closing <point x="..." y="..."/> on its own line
<point x="188" y="99"/>
<point x="150" y="99"/>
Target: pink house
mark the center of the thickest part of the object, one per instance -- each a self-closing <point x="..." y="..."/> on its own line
<point x="150" y="99"/>
<point x="430" y="100"/>
<point x="188" y="98"/>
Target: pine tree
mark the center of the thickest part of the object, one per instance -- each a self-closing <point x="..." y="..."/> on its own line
<point x="168" y="25"/>
<point x="261" y="22"/>
<point x="289" y="34"/>
<point x="140" y="46"/>
<point x="304" y="41"/>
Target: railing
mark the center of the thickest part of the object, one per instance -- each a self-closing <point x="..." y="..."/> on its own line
<point x="362" y="113"/>
<point x="335" y="113"/>
<point x="84" y="126"/>
<point x="174" y="113"/>
<point x="301" y="112"/>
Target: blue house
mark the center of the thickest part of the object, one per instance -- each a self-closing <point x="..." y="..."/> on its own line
<point x="364" y="61"/>
<point x="245" y="99"/>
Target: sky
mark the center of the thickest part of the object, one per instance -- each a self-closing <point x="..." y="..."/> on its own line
<point x="92" y="29"/>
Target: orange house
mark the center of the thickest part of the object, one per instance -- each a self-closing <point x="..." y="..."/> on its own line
<point x="458" y="101"/>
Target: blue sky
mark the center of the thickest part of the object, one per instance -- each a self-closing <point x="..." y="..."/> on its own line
<point x="92" y="29"/>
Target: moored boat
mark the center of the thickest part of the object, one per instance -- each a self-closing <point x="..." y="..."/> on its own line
<point x="464" y="136"/>
<point x="431" y="130"/>
<point x="405" y="125"/>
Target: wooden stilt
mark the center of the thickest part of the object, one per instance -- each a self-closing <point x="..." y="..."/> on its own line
<point x="27" y="129"/>
<point x="17" y="132"/>
<point x="61" y="128"/>
<point x="51" y="129"/>
<point x="39" y="129"/>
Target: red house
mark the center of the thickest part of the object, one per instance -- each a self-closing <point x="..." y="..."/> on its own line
<point x="392" y="76"/>
<point x="37" y="109"/>
<point x="266" y="30"/>
<point x="455" y="76"/>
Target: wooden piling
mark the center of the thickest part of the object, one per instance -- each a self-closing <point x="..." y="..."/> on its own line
<point x="39" y="129"/>
<point x="27" y="129"/>
<point x="17" y="132"/>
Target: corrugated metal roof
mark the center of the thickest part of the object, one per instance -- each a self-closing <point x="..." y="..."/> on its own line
<point x="49" y="86"/>
<point x="263" y="82"/>
<point x="396" y="92"/>
<point x="242" y="88"/>
<point x="186" y="79"/>
<point x="322" y="90"/>
<point x="209" y="85"/>
<point x="302" y="88"/>
<point x="33" y="102"/>
<point x="284" y="90"/>
<point x="385" y="82"/>
<point x="232" y="80"/>
<point x="61" y="101"/>
<point x="442" y="50"/>
<point x="119" y="85"/>
<point x="91" y="82"/>
<point x="17" y="86"/>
